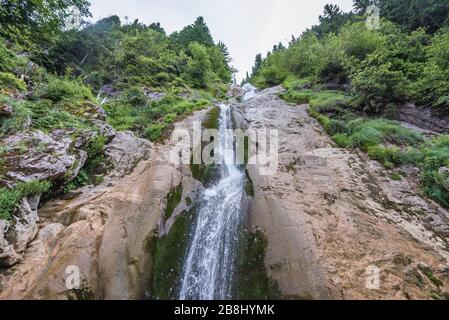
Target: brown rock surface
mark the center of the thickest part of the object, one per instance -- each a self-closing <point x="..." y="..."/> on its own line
<point x="104" y="231"/>
<point x="329" y="214"/>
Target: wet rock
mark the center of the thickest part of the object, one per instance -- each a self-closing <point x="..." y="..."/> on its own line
<point x="106" y="230"/>
<point x="6" y="111"/>
<point x="235" y="92"/>
<point x="110" y="91"/>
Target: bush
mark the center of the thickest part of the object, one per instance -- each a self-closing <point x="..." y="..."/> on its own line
<point x="299" y="97"/>
<point x="273" y="75"/>
<point x="170" y="118"/>
<point x="95" y="146"/>
<point x="135" y="97"/>
<point x="57" y="89"/>
<point x="46" y="118"/>
<point x="9" y="80"/>
<point x="379" y="85"/>
<point x="154" y="131"/>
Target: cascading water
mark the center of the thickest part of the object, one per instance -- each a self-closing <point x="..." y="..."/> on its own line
<point x="209" y="265"/>
<point x="250" y="91"/>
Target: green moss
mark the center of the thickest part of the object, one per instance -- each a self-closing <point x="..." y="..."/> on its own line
<point x="168" y="258"/>
<point x="212" y="118"/>
<point x="298" y="97"/>
<point x="249" y="187"/>
<point x="173" y="200"/>
<point x="251" y="280"/>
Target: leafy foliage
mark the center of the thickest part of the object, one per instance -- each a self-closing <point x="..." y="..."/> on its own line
<point x="37" y="23"/>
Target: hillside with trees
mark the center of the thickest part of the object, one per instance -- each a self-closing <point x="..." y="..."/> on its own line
<point x="56" y="68"/>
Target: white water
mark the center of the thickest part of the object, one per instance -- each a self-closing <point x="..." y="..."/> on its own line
<point x="250" y="91"/>
<point x="209" y="266"/>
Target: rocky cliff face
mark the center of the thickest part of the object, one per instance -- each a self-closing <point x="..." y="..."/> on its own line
<point x="105" y="231"/>
<point x="33" y="155"/>
<point x="330" y="215"/>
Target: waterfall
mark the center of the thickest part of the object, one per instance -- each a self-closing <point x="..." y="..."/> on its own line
<point x="209" y="266"/>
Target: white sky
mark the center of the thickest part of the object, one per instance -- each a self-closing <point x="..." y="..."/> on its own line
<point x="247" y="27"/>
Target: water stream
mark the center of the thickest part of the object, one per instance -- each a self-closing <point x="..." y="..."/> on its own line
<point x="209" y="265"/>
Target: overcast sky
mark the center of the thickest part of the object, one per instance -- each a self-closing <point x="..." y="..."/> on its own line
<point x="247" y="27"/>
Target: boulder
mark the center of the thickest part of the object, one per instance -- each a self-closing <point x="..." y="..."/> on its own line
<point x="125" y="151"/>
<point x="235" y="92"/>
<point x="6" y="111"/>
<point x="50" y="158"/>
<point x="110" y="91"/>
<point x="24" y="224"/>
<point x="105" y="130"/>
<point x="8" y="256"/>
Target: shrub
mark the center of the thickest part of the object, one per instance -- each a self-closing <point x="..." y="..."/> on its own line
<point x="57" y="89"/>
<point x="9" y="80"/>
<point x="273" y="75"/>
<point x="170" y="118"/>
<point x="379" y="84"/>
<point x="134" y="97"/>
<point x="299" y="97"/>
<point x="154" y="131"/>
<point x="46" y="118"/>
<point x="95" y="146"/>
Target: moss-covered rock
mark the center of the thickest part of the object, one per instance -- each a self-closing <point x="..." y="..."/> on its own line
<point x="251" y="279"/>
<point x="169" y="252"/>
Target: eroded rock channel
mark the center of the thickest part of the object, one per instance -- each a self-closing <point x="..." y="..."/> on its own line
<point x="310" y="231"/>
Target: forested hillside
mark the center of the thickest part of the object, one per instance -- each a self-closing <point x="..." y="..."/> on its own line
<point x="59" y="72"/>
<point x="357" y="78"/>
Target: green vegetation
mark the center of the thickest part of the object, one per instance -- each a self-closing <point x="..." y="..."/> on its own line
<point x="134" y="111"/>
<point x="401" y="61"/>
<point x="56" y="68"/>
<point x="249" y="187"/>
<point x="371" y="74"/>
<point x="168" y="258"/>
<point x="173" y="200"/>
<point x="10" y="199"/>
<point x="251" y="280"/>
